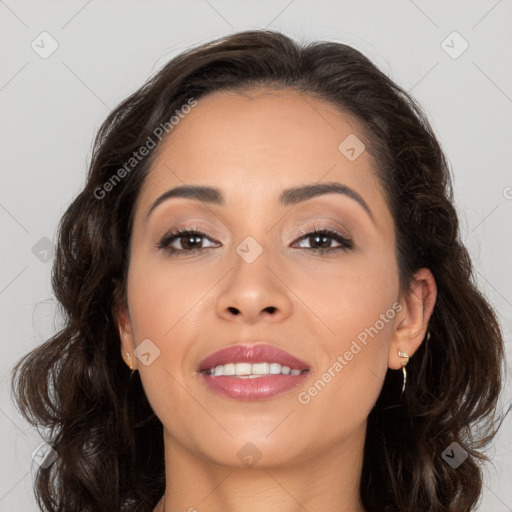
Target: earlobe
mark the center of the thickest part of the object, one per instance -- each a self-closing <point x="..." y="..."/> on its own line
<point x="412" y="326"/>
<point x="123" y="322"/>
<point x="124" y="328"/>
<point x="129" y="363"/>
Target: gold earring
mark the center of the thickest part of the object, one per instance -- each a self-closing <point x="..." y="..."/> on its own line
<point x="403" y="363"/>
<point x="130" y="361"/>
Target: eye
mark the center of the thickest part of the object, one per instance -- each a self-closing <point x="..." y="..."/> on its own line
<point x="190" y="241"/>
<point x="320" y="240"/>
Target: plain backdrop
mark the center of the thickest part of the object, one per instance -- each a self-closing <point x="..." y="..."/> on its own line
<point x="66" y="64"/>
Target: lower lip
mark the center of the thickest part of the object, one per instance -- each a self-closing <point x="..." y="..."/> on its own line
<point x="258" y="388"/>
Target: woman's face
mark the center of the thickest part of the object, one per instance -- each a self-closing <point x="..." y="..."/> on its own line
<point x="254" y="277"/>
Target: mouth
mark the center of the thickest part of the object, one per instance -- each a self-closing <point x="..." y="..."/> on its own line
<point x="252" y="372"/>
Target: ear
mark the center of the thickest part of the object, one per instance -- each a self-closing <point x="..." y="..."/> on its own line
<point x="412" y="323"/>
<point x="124" y="326"/>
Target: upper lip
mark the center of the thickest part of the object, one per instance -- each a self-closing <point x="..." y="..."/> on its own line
<point x="247" y="353"/>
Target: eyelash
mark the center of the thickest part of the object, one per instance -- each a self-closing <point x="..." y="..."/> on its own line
<point x="345" y="242"/>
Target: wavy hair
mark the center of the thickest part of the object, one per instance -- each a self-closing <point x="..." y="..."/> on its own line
<point x="94" y="412"/>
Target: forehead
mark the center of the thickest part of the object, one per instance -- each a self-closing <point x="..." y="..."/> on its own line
<point x="258" y="142"/>
<point x="283" y="122"/>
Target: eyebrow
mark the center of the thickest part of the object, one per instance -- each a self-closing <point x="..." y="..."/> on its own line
<point x="290" y="196"/>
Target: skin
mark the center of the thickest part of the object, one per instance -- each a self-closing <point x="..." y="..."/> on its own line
<point x="252" y="146"/>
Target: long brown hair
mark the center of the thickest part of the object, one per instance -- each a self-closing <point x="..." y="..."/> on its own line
<point x="76" y="387"/>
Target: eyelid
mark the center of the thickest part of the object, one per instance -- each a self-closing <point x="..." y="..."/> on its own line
<point x="338" y="234"/>
<point x="185" y="226"/>
<point x="321" y="226"/>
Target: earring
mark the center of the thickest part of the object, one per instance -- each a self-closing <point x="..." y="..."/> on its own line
<point x="130" y="365"/>
<point x="403" y="363"/>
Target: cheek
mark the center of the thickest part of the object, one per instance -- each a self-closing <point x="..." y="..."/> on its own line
<point x="161" y="294"/>
<point x="349" y="295"/>
<point x="357" y="305"/>
<point x="170" y="305"/>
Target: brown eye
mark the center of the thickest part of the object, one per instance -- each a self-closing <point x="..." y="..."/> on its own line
<point x="321" y="240"/>
<point x="190" y="241"/>
<point x="184" y="241"/>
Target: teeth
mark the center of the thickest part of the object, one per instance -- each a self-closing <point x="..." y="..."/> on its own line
<point x="229" y="369"/>
<point x="252" y="370"/>
<point x="243" y="368"/>
<point x="260" y="369"/>
<point x="276" y="368"/>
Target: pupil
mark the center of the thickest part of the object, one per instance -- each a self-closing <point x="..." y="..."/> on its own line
<point x="189" y="241"/>
<point x="325" y="243"/>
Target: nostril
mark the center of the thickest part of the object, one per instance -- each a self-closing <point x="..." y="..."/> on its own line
<point x="233" y="310"/>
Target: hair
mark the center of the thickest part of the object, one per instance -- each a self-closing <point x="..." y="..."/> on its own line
<point x="94" y="411"/>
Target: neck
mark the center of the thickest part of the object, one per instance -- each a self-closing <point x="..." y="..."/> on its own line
<point x="328" y="481"/>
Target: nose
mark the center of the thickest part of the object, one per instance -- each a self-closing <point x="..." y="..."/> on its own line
<point x="255" y="291"/>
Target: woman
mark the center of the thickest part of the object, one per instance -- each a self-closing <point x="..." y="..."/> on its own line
<point x="268" y="305"/>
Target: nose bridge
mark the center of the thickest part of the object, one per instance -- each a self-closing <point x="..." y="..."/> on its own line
<point x="253" y="288"/>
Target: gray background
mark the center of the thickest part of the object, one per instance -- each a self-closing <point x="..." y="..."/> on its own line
<point x="50" y="109"/>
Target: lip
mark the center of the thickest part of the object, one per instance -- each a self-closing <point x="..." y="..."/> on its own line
<point x="255" y="389"/>
<point x="252" y="354"/>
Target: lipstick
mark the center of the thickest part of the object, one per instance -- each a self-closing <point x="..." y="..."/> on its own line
<point x="252" y="372"/>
